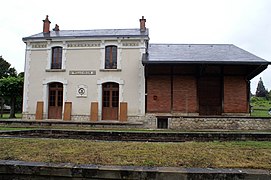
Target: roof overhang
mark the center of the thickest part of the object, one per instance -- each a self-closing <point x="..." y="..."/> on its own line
<point x="254" y="68"/>
<point x="163" y="62"/>
<point x="256" y="71"/>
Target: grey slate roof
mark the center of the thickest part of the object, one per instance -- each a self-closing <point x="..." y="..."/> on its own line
<point x="89" y="34"/>
<point x="199" y="54"/>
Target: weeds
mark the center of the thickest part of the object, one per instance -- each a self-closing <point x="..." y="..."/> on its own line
<point x="187" y="154"/>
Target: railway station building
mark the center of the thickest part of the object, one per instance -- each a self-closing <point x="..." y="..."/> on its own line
<point x="118" y="75"/>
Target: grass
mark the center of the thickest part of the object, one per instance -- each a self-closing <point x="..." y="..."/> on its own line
<point x="6" y="128"/>
<point x="6" y="116"/>
<point x="88" y="128"/>
<point x="260" y="106"/>
<point x="260" y="113"/>
<point x="247" y="154"/>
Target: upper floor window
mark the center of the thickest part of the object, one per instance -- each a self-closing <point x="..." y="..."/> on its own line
<point x="56" y="58"/>
<point x="111" y="57"/>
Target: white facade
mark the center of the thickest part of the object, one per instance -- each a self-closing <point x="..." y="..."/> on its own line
<point x="83" y="73"/>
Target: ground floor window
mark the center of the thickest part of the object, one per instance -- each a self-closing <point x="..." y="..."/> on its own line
<point x="162" y="123"/>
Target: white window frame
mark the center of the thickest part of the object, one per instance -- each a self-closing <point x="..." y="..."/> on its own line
<point x="119" y="49"/>
<point x="100" y="83"/>
<point x="51" y="45"/>
<point x="45" y="92"/>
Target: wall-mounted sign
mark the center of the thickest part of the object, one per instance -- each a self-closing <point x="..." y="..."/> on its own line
<point x="83" y="72"/>
<point x="81" y="91"/>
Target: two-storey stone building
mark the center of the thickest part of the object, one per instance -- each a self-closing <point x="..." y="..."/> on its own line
<point x="116" y="74"/>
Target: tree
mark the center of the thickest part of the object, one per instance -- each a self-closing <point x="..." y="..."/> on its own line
<point x="11" y="88"/>
<point x="261" y="91"/>
<point x="21" y="74"/>
<point x="269" y="95"/>
<point x="5" y="69"/>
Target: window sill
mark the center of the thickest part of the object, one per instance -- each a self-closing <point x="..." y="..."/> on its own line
<point x="55" y="70"/>
<point x="110" y="70"/>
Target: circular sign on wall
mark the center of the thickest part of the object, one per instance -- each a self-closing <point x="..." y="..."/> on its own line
<point x="81" y="91"/>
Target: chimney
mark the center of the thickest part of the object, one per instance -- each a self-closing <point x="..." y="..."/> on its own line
<point x="56" y="28"/>
<point x="46" y="25"/>
<point x="142" y="24"/>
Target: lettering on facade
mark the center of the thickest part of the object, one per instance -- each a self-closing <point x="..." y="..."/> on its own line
<point x="83" y="72"/>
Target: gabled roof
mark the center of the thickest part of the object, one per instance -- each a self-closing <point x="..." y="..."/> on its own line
<point x="199" y="54"/>
<point x="96" y="33"/>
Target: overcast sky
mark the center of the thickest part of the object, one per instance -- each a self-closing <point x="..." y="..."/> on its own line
<point x="245" y="23"/>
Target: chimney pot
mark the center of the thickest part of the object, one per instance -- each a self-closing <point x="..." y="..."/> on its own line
<point x="142" y="24"/>
<point x="56" y="28"/>
<point x="46" y="25"/>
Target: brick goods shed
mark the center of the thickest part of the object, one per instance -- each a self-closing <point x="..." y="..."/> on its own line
<point x="199" y="79"/>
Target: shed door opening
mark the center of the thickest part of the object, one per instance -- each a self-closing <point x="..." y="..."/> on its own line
<point x="110" y="101"/>
<point x="55" y="101"/>
<point x="210" y="98"/>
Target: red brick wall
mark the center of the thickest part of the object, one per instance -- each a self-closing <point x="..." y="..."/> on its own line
<point x="235" y="94"/>
<point x="185" y="94"/>
<point x="160" y="87"/>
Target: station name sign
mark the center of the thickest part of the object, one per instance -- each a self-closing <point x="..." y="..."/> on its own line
<point x="83" y="72"/>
